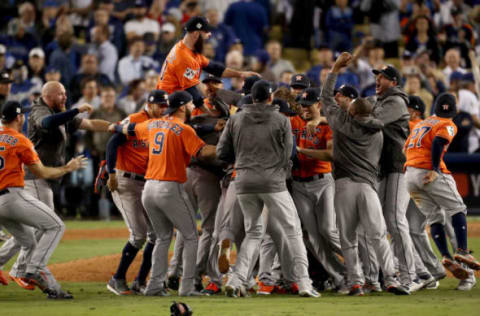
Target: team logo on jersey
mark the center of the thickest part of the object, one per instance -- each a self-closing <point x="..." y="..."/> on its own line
<point x="190" y="73"/>
<point x="451" y="130"/>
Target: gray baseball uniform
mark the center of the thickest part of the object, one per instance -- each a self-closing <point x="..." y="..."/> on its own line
<point x="356" y="156"/>
<point x="259" y="140"/>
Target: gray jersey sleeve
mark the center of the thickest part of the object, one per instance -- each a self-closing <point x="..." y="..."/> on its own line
<point x="337" y="117"/>
<point x="224" y="149"/>
<point x="391" y="110"/>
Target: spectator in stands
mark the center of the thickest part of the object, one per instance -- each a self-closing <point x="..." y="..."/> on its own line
<point x="249" y="21"/>
<point x="424" y="37"/>
<point x="105" y="51"/>
<point x="452" y="60"/>
<point x="413" y="86"/>
<point x="234" y="60"/>
<point x="3" y="57"/>
<point x="321" y="57"/>
<point x="89" y="90"/>
<point x="141" y="24"/>
<point x="151" y="78"/>
<point x="434" y="75"/>
<point x="459" y="34"/>
<point x="89" y="69"/>
<point x="208" y="50"/>
<point x="102" y="16"/>
<point x="52" y="74"/>
<point x="5" y="87"/>
<point x="135" y="97"/>
<point x="237" y="45"/>
<point x="36" y="67"/>
<point x="134" y="65"/>
<point x="339" y="26"/>
<point x="368" y="56"/>
<point x="259" y="63"/>
<point x="26" y="16"/>
<point x="78" y="13"/>
<point x="50" y="10"/>
<point x="18" y="41"/>
<point x="465" y="126"/>
<point x="285" y="78"/>
<point x="61" y="57"/>
<point x="168" y="38"/>
<point x="276" y="64"/>
<point x="22" y="87"/>
<point x="222" y="35"/>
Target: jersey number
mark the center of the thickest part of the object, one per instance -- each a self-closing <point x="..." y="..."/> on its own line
<point x="422" y="131"/>
<point x="158" y="147"/>
<point x="2" y="160"/>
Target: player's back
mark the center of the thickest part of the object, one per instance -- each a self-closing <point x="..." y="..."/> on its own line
<point x="15" y="149"/>
<point x="418" y="147"/>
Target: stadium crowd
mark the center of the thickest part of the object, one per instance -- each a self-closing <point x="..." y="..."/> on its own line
<point x="109" y="53"/>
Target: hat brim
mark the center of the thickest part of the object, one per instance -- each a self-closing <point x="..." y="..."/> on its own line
<point x="376" y="72"/>
<point x="169" y="111"/>
<point x="299" y="86"/>
<point x="306" y="103"/>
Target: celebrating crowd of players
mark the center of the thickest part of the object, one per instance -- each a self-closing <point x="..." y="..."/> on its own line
<point x="305" y="182"/>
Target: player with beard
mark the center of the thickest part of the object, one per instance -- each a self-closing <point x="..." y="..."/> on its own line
<point x="182" y="68"/>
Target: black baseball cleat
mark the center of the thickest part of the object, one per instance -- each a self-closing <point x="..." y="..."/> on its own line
<point x="59" y="295"/>
<point x="398" y="290"/>
<point x="173" y="282"/>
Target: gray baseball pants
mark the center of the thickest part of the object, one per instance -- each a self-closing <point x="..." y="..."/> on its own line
<point x="128" y="199"/>
<point x="281" y="207"/>
<point x="358" y="204"/>
<point x="168" y="206"/>
<point x="19" y="212"/>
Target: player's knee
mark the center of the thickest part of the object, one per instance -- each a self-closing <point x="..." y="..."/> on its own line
<point x="138" y="242"/>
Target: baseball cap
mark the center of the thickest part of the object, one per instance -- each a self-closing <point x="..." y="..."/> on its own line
<point x="168" y="27"/>
<point x="198" y="23"/>
<point x="416" y="103"/>
<point x="37" y="51"/>
<point x="468" y="77"/>
<point x="52" y="69"/>
<point x="262" y="90"/>
<point x="11" y="109"/>
<point x="300" y="81"/>
<point x="348" y="91"/>
<point x="309" y="96"/>
<point x="158" y="97"/>
<point x="456" y="76"/>
<point x="262" y="56"/>
<point x="248" y="84"/>
<point x="176" y="13"/>
<point x="211" y="78"/>
<point x="446" y="105"/>
<point x="176" y="100"/>
<point x="284" y="108"/>
<point x="3" y="49"/>
<point x="390" y="72"/>
<point x="5" y="77"/>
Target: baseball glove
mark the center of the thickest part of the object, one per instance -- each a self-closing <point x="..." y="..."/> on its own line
<point x="102" y="177"/>
<point x="180" y="309"/>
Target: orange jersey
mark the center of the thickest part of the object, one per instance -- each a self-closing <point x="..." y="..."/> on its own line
<point x="412" y="123"/>
<point x="310" y="166"/>
<point x="418" y="147"/>
<point x="198" y="111"/>
<point x="172" y="144"/>
<point x="181" y="69"/>
<point x="133" y="155"/>
<point x="15" y="150"/>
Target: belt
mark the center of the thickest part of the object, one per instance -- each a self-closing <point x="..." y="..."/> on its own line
<point x="308" y="179"/>
<point x="4" y="191"/>
<point x="134" y="176"/>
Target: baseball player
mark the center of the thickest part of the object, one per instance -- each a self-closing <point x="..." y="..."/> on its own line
<point x="434" y="190"/>
<point x="19" y="210"/>
<point x="259" y="141"/>
<point x="127" y="159"/>
<point x="172" y="144"/>
<point x="182" y="68"/>
<point x="48" y="127"/>
<point x="299" y="83"/>
<point x="357" y="142"/>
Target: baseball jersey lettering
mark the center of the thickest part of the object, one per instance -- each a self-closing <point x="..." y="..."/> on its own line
<point x="173" y="143"/>
<point x="181" y="69"/>
<point x="133" y="155"/>
<point x="418" y="147"/>
<point x="309" y="166"/>
<point x="15" y="150"/>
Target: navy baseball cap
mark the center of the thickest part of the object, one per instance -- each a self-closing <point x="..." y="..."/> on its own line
<point x="468" y="77"/>
<point x="176" y="100"/>
<point x="348" y="91"/>
<point x="11" y="109"/>
<point x="456" y="76"/>
<point x="248" y="84"/>
<point x="211" y="78"/>
<point x="389" y="72"/>
<point x="446" y="105"/>
<point x="308" y="97"/>
<point x="262" y="90"/>
<point x="300" y="81"/>
<point x="5" y="77"/>
<point x="416" y="103"/>
<point x="158" y="97"/>
<point x="198" y="23"/>
<point x="283" y="107"/>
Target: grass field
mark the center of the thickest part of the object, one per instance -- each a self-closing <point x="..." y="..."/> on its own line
<point x="92" y="298"/>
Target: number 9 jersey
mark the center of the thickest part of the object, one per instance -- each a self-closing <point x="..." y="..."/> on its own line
<point x="172" y="144"/>
<point x="418" y="147"/>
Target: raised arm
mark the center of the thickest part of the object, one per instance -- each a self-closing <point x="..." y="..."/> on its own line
<point x="41" y="171"/>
